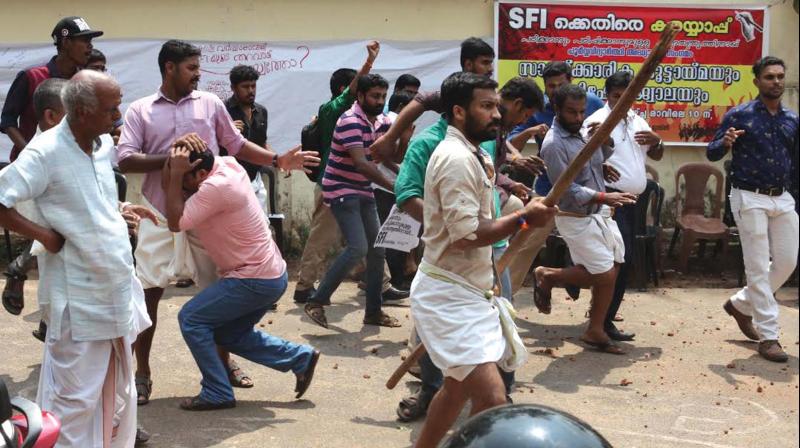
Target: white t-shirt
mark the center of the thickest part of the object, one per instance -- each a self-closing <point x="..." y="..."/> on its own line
<point x="629" y="156"/>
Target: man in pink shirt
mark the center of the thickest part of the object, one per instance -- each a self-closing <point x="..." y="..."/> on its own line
<point x="178" y="113"/>
<point x="225" y="215"/>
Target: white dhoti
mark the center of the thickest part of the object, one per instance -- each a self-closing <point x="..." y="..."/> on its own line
<point x="89" y="385"/>
<point x="163" y="256"/>
<point x="594" y="241"/>
<point x="462" y="326"/>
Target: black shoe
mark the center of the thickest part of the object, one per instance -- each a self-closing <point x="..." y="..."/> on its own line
<point x="184" y="283"/>
<point x="302" y="295"/>
<point x="573" y="292"/>
<point x="41" y="332"/>
<point x="394" y="294"/>
<point x="617" y="335"/>
<point x="142" y="436"/>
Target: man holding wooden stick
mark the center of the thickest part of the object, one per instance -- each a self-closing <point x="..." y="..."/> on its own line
<point x="585" y="223"/>
<point x="454" y="312"/>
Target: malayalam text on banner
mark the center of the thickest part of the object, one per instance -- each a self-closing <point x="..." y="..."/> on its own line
<point x="706" y="72"/>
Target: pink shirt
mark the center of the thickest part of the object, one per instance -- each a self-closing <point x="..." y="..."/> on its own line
<point x="225" y="214"/>
<point x="154" y="122"/>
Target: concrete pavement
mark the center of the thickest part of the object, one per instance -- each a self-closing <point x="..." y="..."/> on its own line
<point x="689" y="380"/>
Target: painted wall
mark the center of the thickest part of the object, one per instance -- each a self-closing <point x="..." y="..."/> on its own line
<point x="247" y="20"/>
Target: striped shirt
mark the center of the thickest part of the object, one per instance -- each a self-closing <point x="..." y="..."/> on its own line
<point x="353" y="131"/>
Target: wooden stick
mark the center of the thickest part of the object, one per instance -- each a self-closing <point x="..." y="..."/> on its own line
<point x="417" y="353"/>
<point x="576" y="165"/>
<point x="601" y="134"/>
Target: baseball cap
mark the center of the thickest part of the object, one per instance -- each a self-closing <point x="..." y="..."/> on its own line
<point x="73" y="26"/>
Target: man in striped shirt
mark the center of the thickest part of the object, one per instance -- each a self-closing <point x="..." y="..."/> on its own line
<point x="347" y="191"/>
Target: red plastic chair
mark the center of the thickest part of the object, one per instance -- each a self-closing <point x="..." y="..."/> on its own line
<point x="691" y="219"/>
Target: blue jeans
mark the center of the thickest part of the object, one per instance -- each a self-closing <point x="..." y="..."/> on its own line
<point x="505" y="276"/>
<point x="225" y="315"/>
<point x="357" y="217"/>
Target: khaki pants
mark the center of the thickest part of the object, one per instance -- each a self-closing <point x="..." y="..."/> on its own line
<point x="323" y="236"/>
<point x="534" y="240"/>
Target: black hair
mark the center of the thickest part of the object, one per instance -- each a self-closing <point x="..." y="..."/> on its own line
<point x="96" y="55"/>
<point x="340" y="79"/>
<point x="399" y="99"/>
<point x="406" y="80"/>
<point x="524" y="89"/>
<point x="48" y="96"/>
<point x="618" y="80"/>
<point x="457" y="90"/>
<point x="366" y="82"/>
<point x="242" y="73"/>
<point x="556" y="68"/>
<point x="206" y="157"/>
<point x="175" y="51"/>
<point x="474" y="47"/>
<point x="570" y="91"/>
<point x="765" y="62"/>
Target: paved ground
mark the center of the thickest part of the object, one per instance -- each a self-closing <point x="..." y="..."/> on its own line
<point x="691" y="379"/>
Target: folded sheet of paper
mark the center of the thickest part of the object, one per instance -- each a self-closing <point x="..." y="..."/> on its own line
<point x="399" y="232"/>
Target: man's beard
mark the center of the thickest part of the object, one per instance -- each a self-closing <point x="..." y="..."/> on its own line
<point x="572" y="128"/>
<point x="769" y="95"/>
<point x="373" y="110"/>
<point x="481" y="133"/>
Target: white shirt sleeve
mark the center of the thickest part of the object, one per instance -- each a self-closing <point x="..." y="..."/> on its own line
<point x="25" y="179"/>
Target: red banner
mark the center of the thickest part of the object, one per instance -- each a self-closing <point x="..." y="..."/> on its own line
<point x="706" y="71"/>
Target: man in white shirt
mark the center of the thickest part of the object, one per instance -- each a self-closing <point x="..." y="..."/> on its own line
<point x="633" y="142"/>
<point x="96" y="305"/>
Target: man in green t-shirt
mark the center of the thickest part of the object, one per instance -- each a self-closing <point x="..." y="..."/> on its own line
<point x="324" y="232"/>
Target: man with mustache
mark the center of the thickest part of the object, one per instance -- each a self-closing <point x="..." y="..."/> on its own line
<point x="519" y="98"/>
<point x="762" y="136"/>
<point x="250" y="118"/>
<point x="178" y="114"/>
<point x="72" y="37"/>
<point x="584" y="220"/>
<point x="452" y="306"/>
<point x="93" y="300"/>
<point x="347" y="190"/>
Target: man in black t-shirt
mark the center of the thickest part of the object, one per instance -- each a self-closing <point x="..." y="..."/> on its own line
<point x="251" y="120"/>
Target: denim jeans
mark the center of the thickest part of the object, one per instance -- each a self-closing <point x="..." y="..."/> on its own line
<point x="505" y="276"/>
<point x="225" y="315"/>
<point x="357" y="217"/>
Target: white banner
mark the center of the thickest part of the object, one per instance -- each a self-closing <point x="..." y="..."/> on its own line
<point x="399" y="232"/>
<point x="295" y="75"/>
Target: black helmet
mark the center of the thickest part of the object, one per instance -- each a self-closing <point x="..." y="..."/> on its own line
<point x="524" y="425"/>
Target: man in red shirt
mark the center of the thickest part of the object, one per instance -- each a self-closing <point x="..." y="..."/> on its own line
<point x="72" y="37"/>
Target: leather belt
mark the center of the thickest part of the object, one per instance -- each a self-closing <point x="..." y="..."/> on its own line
<point x="773" y="191"/>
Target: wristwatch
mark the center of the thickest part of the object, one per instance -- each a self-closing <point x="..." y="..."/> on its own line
<point x="275" y="161"/>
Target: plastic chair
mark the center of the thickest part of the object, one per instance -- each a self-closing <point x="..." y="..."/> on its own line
<point x="647" y="243"/>
<point x="275" y="219"/>
<point x="690" y="211"/>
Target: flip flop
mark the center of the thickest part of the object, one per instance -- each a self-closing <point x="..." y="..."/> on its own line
<point x="304" y="379"/>
<point x="413" y="407"/>
<point x="541" y="299"/>
<point x="197" y="404"/>
<point x="605" y="347"/>
<point x="316" y="313"/>
<point x="381" y="319"/>
<point x="237" y="377"/>
<point x="13" y="298"/>
<point x="144" y="387"/>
